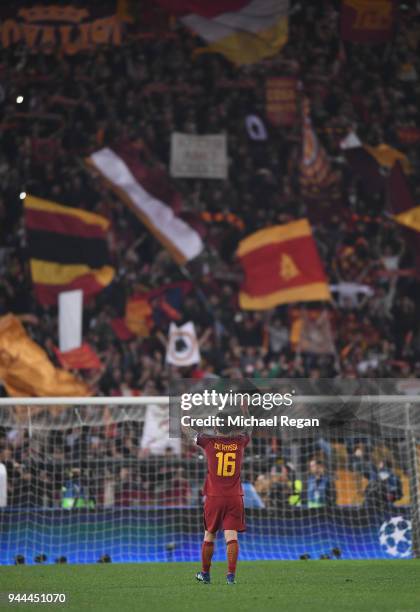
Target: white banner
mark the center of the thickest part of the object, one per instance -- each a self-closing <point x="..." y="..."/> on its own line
<point x="155" y="435"/>
<point x="182" y="349"/>
<point x="194" y="156"/>
<point x="70" y="308"/>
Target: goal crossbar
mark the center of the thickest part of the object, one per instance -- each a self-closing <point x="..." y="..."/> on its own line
<point x="163" y="400"/>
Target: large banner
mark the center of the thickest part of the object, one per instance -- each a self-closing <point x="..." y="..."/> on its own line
<point x="68" y="28"/>
<point x="194" y="156"/>
<point x="367" y="21"/>
<point x="281" y="100"/>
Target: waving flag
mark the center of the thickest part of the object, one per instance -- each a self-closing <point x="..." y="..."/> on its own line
<point x="124" y="174"/>
<point x="405" y="211"/>
<point x="310" y="332"/>
<point x="410" y="218"/>
<point x="138" y="316"/>
<point x="25" y="369"/>
<point x="67" y="249"/>
<point x="362" y="163"/>
<point x="81" y="358"/>
<point x="281" y="266"/>
<point x="155" y="306"/>
<point x="316" y="175"/>
<point x="387" y="156"/>
<point x="244" y="31"/>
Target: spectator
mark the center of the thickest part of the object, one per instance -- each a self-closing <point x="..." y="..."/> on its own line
<point x="392" y="482"/>
<point x="285" y="488"/>
<point x="319" y="488"/>
<point x="361" y="464"/>
<point x="73" y="495"/>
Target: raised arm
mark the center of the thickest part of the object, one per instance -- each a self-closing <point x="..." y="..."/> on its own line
<point x="190" y="433"/>
<point x="245" y="412"/>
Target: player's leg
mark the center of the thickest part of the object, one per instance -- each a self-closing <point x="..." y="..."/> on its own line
<point x="232" y="552"/>
<point x="212" y="523"/>
<point x="233" y="522"/>
<point x="207" y="549"/>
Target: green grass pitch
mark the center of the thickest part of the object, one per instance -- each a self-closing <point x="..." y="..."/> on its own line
<point x="287" y="586"/>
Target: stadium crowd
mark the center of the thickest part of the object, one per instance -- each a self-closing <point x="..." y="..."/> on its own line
<point x="152" y="86"/>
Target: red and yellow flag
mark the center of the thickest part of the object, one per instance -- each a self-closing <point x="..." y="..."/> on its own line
<point x="281" y="266"/>
<point x="67" y="249"/>
<point x="138" y="315"/>
<point x="316" y="175"/>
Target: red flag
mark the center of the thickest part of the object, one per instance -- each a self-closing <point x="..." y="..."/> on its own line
<point x="281" y="266"/>
<point x="120" y="329"/>
<point x="408" y="134"/>
<point x="82" y="358"/>
<point x="368" y="21"/>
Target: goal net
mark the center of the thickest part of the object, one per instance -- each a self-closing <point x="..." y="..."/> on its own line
<point x="103" y="480"/>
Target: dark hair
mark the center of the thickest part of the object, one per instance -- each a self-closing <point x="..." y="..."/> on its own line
<point x="225" y="430"/>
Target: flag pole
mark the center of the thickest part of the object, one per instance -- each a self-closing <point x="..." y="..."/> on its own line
<point x="201" y="296"/>
<point x="336" y="355"/>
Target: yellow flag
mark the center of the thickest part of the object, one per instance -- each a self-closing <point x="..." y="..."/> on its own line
<point x="25" y="368"/>
<point x="410" y="218"/>
<point x="386" y="156"/>
<point x="242" y="47"/>
<point x="138" y="313"/>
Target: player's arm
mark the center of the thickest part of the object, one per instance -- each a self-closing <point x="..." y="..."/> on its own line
<point x="194" y="436"/>
<point x="245" y="412"/>
<point x="189" y="433"/>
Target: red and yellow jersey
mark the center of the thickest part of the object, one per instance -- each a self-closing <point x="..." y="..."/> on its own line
<point x="224" y="461"/>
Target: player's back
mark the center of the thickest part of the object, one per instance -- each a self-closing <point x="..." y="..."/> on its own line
<point x="224" y="462"/>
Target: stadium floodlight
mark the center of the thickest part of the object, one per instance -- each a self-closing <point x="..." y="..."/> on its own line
<point x="88" y="483"/>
